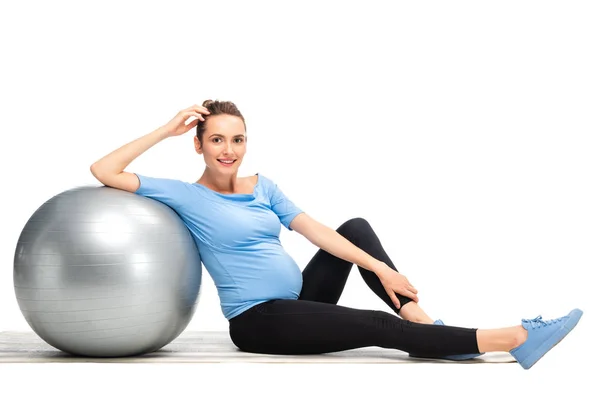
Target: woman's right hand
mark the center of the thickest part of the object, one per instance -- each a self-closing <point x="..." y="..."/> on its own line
<point x="177" y="125"/>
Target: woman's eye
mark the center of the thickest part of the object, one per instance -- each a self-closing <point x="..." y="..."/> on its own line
<point x="237" y="140"/>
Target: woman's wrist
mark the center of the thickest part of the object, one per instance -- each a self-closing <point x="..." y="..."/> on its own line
<point x="163" y="132"/>
<point x="377" y="267"/>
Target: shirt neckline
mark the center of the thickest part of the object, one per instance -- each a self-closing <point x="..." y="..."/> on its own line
<point x="233" y="195"/>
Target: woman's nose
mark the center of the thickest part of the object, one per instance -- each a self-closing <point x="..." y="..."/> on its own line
<point x="229" y="148"/>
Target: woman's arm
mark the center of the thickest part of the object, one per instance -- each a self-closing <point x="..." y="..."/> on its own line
<point x="332" y="242"/>
<point x="109" y="169"/>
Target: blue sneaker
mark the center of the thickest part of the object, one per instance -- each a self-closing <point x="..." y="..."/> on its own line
<point x="454" y="357"/>
<point x="542" y="336"/>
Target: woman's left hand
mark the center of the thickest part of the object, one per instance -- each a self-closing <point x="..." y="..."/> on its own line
<point x="393" y="282"/>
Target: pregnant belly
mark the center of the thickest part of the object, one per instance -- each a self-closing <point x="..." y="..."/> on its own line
<point x="280" y="276"/>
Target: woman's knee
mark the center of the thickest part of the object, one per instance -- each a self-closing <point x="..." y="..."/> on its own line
<point x="354" y="227"/>
<point x="355" y="224"/>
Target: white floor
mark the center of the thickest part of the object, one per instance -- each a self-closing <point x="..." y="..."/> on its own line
<point x="295" y="381"/>
<point x="209" y="347"/>
<point x="565" y="372"/>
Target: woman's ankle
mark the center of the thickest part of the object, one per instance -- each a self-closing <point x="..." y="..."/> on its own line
<point x="520" y="336"/>
<point x="502" y="339"/>
<point x="413" y="313"/>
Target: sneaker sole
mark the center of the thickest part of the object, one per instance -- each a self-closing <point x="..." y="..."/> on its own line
<point x="553" y="340"/>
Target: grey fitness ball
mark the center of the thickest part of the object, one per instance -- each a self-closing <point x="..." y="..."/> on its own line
<point x="102" y="272"/>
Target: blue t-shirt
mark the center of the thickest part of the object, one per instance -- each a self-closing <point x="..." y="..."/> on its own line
<point x="237" y="236"/>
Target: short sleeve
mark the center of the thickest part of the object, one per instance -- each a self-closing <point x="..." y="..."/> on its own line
<point x="171" y="192"/>
<point x="283" y="207"/>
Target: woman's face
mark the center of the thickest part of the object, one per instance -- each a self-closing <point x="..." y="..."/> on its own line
<point x="224" y="140"/>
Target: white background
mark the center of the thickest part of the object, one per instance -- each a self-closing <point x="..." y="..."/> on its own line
<point x="465" y="132"/>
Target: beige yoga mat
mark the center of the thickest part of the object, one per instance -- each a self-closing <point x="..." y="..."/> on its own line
<point x="209" y="347"/>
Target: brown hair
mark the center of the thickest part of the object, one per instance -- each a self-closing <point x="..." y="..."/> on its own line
<point x="217" y="107"/>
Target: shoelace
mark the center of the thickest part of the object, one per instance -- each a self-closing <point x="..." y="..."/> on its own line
<point x="538" y="322"/>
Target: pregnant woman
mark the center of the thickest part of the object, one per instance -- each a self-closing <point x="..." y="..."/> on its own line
<point x="274" y="307"/>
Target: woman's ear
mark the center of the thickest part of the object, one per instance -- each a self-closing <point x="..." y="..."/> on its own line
<point x="197" y="145"/>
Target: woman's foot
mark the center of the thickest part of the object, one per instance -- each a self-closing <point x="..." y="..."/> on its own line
<point x="542" y="336"/>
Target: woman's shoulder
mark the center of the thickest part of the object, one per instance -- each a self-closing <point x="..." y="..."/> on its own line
<point x="252" y="179"/>
<point x="259" y="179"/>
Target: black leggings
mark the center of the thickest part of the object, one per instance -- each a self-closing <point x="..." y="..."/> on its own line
<point x="315" y="324"/>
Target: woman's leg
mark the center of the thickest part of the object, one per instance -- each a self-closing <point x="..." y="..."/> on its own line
<point x="311" y="327"/>
<point x="325" y="275"/>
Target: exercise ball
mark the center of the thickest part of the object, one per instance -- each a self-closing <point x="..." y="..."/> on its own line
<point x="103" y="272"/>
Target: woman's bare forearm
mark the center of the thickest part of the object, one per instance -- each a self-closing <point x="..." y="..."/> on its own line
<point x="115" y="162"/>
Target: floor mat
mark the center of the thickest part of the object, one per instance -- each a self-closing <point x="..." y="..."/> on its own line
<point x="209" y="347"/>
